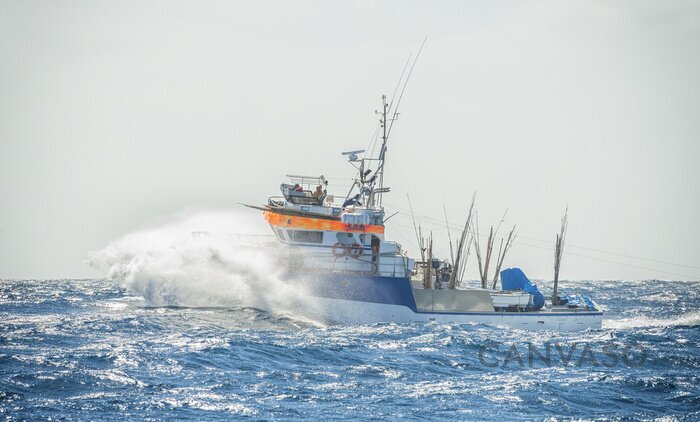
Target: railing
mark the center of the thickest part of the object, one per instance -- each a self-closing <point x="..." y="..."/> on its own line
<point x="307" y="180"/>
<point x="394" y="266"/>
<point x="280" y="201"/>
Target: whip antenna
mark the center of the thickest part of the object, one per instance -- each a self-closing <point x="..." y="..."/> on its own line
<point x="398" y="83"/>
<point x="408" y="77"/>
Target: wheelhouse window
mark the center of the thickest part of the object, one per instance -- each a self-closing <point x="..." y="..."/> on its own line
<point x="280" y="234"/>
<point x="303" y="236"/>
<point x="345" y="238"/>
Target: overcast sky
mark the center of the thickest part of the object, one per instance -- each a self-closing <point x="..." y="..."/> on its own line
<point x="117" y="114"/>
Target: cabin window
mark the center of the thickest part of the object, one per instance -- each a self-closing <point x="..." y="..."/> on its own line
<point x="345" y="238"/>
<point x="303" y="236"/>
<point x="280" y="234"/>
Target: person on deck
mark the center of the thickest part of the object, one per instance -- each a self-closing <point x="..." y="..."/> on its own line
<point x="318" y="192"/>
<point x="355" y="200"/>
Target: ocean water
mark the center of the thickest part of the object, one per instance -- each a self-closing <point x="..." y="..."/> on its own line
<point x="193" y="322"/>
<point x="106" y="349"/>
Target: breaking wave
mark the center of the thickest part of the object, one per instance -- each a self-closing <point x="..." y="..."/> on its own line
<point x="193" y="260"/>
<point x="689" y="319"/>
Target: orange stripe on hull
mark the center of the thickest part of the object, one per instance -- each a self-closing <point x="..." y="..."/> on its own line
<point x="307" y="223"/>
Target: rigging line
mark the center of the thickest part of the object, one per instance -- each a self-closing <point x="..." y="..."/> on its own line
<point x="394" y="226"/>
<point x="567" y="253"/>
<point x="632" y="256"/>
<point x="453" y="226"/>
<point x="408" y="77"/>
<point x="592" y="258"/>
<point x="434" y="229"/>
<point x="387" y="133"/>
<point x="611" y="262"/>
<point x="410" y="242"/>
<point x="398" y="84"/>
<point x="375" y="137"/>
<point x="246" y="221"/>
<point x="570" y="245"/>
<point x="439" y="224"/>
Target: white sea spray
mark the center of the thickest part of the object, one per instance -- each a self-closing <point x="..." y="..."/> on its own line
<point x="686" y="319"/>
<point x="202" y="259"/>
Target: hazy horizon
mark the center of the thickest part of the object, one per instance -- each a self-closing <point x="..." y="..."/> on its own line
<point x="117" y="116"/>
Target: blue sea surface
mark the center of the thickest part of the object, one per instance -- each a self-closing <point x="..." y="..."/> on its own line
<point x="92" y="349"/>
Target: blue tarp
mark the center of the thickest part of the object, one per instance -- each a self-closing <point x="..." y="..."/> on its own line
<point x="580" y="301"/>
<point x="573" y="301"/>
<point x="515" y="279"/>
<point x="589" y="302"/>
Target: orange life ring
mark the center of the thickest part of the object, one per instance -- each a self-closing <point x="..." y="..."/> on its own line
<point x="356" y="250"/>
<point x="339" y="250"/>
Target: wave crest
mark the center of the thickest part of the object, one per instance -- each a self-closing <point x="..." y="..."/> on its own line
<point x="193" y="260"/>
<point x="689" y="319"/>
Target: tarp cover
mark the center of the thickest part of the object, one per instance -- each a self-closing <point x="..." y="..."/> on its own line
<point x="579" y="301"/>
<point x="515" y="279"/>
<point x="589" y="302"/>
<point x="573" y="301"/>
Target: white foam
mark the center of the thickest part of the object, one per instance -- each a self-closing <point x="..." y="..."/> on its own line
<point x="687" y="319"/>
<point x="660" y="298"/>
<point x="193" y="260"/>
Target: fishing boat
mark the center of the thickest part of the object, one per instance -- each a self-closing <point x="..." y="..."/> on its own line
<point x="335" y="251"/>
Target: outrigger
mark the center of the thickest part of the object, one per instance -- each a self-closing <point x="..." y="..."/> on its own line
<point x="337" y="253"/>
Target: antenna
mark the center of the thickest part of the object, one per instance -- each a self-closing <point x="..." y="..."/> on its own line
<point x="385" y="111"/>
<point x="385" y="137"/>
<point x="406" y="83"/>
<point x="367" y="187"/>
<point x="398" y="83"/>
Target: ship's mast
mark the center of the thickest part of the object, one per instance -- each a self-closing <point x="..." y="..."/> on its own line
<point x="376" y="193"/>
<point x="382" y="152"/>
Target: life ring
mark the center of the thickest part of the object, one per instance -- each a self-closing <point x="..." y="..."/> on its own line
<point x="339" y="250"/>
<point x="356" y="250"/>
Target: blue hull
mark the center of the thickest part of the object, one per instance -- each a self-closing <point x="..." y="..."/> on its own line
<point x="359" y="288"/>
<point x="382" y="290"/>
